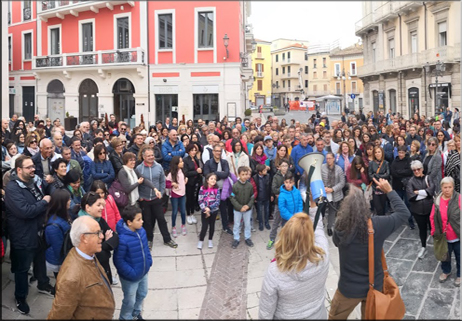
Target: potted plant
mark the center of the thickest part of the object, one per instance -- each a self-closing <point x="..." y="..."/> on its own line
<point x="248" y="112"/>
<point x="70" y="122"/>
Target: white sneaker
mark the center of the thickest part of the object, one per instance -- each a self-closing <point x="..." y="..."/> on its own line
<point x="115" y="280"/>
<point x="193" y="219"/>
<point x="422" y="253"/>
<point x="189" y="219"/>
<point x="210" y="244"/>
<point x="199" y="245"/>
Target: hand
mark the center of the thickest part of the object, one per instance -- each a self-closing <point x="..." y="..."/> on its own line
<point x="174" y="185"/>
<point x="47" y="198"/>
<point x="108" y="234"/>
<point x="362" y="169"/>
<point x="199" y="170"/>
<point x="383" y="185"/>
<point x="49" y="179"/>
<point x="416" y="192"/>
<point x="158" y="194"/>
<point x="140" y="180"/>
<point x="186" y="180"/>
<point x="244" y="208"/>
<point x="268" y="168"/>
<point x="329" y="190"/>
<point x="272" y="198"/>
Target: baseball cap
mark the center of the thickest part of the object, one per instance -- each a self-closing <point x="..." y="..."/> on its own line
<point x="322" y="124"/>
<point x="268" y="137"/>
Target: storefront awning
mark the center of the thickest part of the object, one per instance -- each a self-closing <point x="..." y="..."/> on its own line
<point x="440" y="86"/>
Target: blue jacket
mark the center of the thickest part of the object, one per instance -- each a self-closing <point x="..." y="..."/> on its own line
<point x="298" y="152"/>
<point x="55" y="238"/>
<point x="289" y="202"/>
<point x="340" y="161"/>
<point x="167" y="148"/>
<point x="103" y="171"/>
<point x="24" y="213"/>
<point x="132" y="257"/>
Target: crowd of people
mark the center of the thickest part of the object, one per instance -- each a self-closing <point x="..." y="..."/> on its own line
<point x="105" y="186"/>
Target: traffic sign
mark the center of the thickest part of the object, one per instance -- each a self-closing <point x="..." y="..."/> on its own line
<point x="352" y="96"/>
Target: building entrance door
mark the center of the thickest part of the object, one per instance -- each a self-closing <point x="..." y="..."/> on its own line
<point x="28" y="102"/>
<point x="88" y="100"/>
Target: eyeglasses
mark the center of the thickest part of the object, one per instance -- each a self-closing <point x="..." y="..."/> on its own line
<point x="29" y="167"/>
<point x="123" y="129"/>
<point x="98" y="233"/>
<point x="102" y="153"/>
<point x="432" y="144"/>
<point x="151" y="142"/>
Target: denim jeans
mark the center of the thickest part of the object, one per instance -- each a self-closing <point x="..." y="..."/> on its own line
<point x="237" y="223"/>
<point x="134" y="294"/>
<point x="276" y="223"/>
<point x="262" y="212"/>
<point x="181" y="203"/>
<point x="446" y="266"/>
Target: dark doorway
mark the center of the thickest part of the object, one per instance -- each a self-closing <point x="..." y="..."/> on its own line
<point x="206" y="107"/>
<point x="55" y="99"/>
<point x="413" y="94"/>
<point x="392" y="95"/>
<point x="124" y="103"/>
<point x="88" y="100"/>
<point x="375" y="100"/>
<point x="28" y="102"/>
<point x="11" y="102"/>
<point x="166" y="106"/>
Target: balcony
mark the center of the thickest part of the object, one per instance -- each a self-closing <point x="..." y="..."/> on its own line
<point x="446" y="54"/>
<point x="52" y="9"/>
<point x="107" y="58"/>
<point x="289" y="61"/>
<point x="26" y="14"/>
<point x="260" y="74"/>
<point x="289" y="76"/>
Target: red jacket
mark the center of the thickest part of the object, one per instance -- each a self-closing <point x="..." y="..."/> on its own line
<point x="111" y="213"/>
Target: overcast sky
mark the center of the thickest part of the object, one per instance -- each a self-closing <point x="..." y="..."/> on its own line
<point x="315" y="21"/>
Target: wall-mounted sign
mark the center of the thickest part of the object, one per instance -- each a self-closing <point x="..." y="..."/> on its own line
<point x="12" y="91"/>
<point x="165" y="89"/>
<point x="140" y="104"/>
<point x="200" y="89"/>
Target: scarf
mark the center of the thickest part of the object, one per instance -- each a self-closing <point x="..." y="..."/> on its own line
<point x="33" y="151"/>
<point x="347" y="161"/>
<point x="134" y="195"/>
<point x="83" y="213"/>
<point x="330" y="176"/>
<point x="260" y="159"/>
<point x="236" y="159"/>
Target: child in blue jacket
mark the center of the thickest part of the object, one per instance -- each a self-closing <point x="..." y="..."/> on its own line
<point x="290" y="201"/>
<point x="132" y="258"/>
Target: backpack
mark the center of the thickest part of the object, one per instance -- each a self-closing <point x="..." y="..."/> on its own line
<point x="67" y="242"/>
<point x="87" y="177"/>
<point x="118" y="194"/>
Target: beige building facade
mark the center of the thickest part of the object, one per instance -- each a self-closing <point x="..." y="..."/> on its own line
<point x="260" y="93"/>
<point x="318" y="71"/>
<point x="400" y="38"/>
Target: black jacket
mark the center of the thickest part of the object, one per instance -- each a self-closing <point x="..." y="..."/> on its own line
<point x="400" y="169"/>
<point x="211" y="167"/>
<point x="190" y="170"/>
<point x="37" y="159"/>
<point x="409" y="139"/>
<point x="384" y="171"/>
<point x="274" y="169"/>
<point x="424" y="206"/>
<point x="263" y="187"/>
<point x="116" y="161"/>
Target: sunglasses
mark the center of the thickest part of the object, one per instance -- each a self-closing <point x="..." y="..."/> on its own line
<point x="102" y="153"/>
<point x="123" y="129"/>
<point x="416" y="170"/>
<point x="33" y="142"/>
<point x="432" y="144"/>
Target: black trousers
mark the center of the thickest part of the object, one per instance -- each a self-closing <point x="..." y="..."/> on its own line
<point x="191" y="199"/>
<point x="423" y="222"/>
<point x="21" y="260"/>
<point x="208" y="223"/>
<point x="230" y="211"/>
<point x="224" y="213"/>
<point x="379" y="203"/>
<point x="152" y="211"/>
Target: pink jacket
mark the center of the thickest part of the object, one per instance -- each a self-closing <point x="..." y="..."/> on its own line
<point x="111" y="213"/>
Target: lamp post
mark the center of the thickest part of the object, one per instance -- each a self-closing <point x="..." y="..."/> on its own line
<point x="225" y="43"/>
<point x="440" y="68"/>
<point x="344" y="77"/>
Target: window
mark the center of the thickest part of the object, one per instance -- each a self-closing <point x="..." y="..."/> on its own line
<point x="288" y="83"/>
<point x="315" y="75"/>
<point x="288" y="55"/>
<point x="283" y="84"/>
<point x="288" y="70"/>
<point x="55" y="46"/>
<point x="259" y="49"/>
<point x="283" y="56"/>
<point x="374" y="52"/>
<point x="353" y="87"/>
<point x="324" y="63"/>
<point x="27" y="46"/>
<point x="442" y="34"/>
<point x="414" y="42"/>
<point x="337" y="88"/>
<point x="122" y="33"/>
<point x="391" y="48"/>
<point x="325" y="88"/>
<point x="277" y="58"/>
<point x="205" y="29"/>
<point x="324" y="74"/>
<point x="306" y="69"/>
<point x="260" y="85"/>
<point x="164" y="104"/>
<point x="9" y="48"/>
<point x="26" y="13"/>
<point x="283" y="70"/>
<point x="353" y="68"/>
<point x="337" y="70"/>
<point x="165" y="31"/>
<point x="306" y="56"/>
<point x="277" y="84"/>
<point x="205" y="107"/>
<point x="315" y="87"/>
<point x="277" y="71"/>
<point x="314" y="63"/>
<point x="306" y="83"/>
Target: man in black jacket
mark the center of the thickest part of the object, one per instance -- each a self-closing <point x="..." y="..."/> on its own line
<point x="220" y="167"/>
<point x="42" y="160"/>
<point x="26" y="205"/>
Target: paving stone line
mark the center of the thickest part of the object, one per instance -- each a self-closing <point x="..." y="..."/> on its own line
<point x="226" y="295"/>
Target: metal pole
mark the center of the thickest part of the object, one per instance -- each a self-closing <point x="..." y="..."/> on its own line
<point x="437" y="96"/>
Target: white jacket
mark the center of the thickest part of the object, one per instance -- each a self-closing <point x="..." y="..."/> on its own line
<point x="243" y="160"/>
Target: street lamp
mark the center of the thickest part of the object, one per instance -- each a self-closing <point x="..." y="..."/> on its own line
<point x="440" y="68"/>
<point x="342" y="76"/>
<point x="226" y="42"/>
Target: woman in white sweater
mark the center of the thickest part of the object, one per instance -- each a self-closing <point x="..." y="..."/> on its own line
<point x="294" y="284"/>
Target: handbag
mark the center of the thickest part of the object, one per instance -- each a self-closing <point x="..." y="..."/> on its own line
<point x="369" y="191"/>
<point x="440" y="246"/>
<point x="118" y="194"/>
<point x="388" y="304"/>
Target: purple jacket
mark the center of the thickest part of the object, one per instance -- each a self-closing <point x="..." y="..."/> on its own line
<point x="228" y="186"/>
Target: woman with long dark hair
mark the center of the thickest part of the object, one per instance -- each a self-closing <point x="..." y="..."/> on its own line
<point x="432" y="163"/>
<point x="193" y="169"/>
<point x="110" y="212"/>
<point x="101" y="168"/>
<point x="356" y="173"/>
<point x="281" y="153"/>
<point x="58" y="223"/>
<point x="379" y="168"/>
<point x="258" y="157"/>
<point x="177" y="181"/>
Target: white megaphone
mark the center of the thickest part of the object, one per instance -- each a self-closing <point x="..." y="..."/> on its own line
<point x="314" y="160"/>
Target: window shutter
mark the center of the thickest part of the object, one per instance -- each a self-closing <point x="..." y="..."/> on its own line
<point x="262" y="67"/>
<point x="256" y="67"/>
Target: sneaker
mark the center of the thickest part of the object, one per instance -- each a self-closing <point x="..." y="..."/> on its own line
<point x="183" y="230"/>
<point x="193" y="219"/>
<point x="172" y="244"/>
<point x="412" y="227"/>
<point x="22" y="306"/>
<point x="260" y="227"/>
<point x="32" y="279"/>
<point x="253" y="229"/>
<point x="329" y="232"/>
<point x="228" y="230"/>
<point x="47" y="289"/>
<point x="270" y="245"/>
<point x="174" y="232"/>
<point x="150" y="245"/>
<point x="210" y="244"/>
<point x="138" y="317"/>
<point x="268" y="227"/>
<point x="444" y="277"/>
<point x="115" y="280"/>
<point x="249" y="242"/>
<point x="457" y="282"/>
<point x="189" y="219"/>
<point x="422" y="253"/>
<point x="234" y="244"/>
<point x="199" y="245"/>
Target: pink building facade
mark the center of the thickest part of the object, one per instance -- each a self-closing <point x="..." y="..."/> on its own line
<point x="159" y="59"/>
